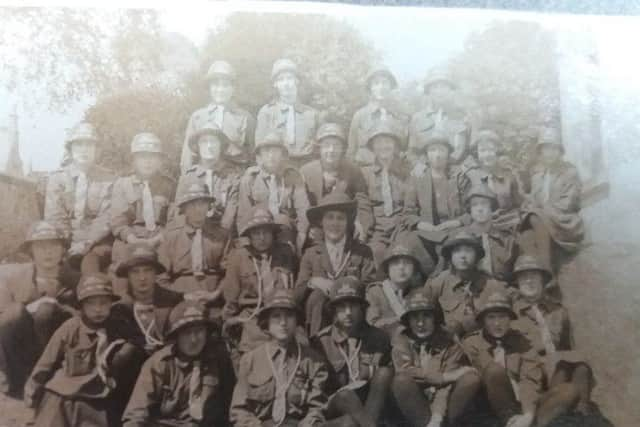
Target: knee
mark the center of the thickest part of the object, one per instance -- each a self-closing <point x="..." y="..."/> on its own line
<point x="470" y="380"/>
<point x="402" y="382"/>
<point x="567" y="393"/>
<point x="383" y="375"/>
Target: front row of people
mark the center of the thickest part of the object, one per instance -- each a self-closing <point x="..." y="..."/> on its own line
<point x="516" y="362"/>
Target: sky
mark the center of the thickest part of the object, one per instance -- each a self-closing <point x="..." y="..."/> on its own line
<point x="410" y="40"/>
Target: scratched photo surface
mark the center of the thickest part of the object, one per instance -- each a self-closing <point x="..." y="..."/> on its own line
<point x="317" y="214"/>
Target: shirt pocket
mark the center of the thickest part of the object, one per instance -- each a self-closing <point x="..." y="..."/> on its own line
<point x="261" y="388"/>
<point x="80" y="361"/>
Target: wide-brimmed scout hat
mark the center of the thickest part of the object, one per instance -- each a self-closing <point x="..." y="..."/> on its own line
<point x="334" y="201"/>
<point x="193" y="190"/>
<point x="327" y="130"/>
<point x="282" y="65"/>
<point x="139" y="254"/>
<point x="380" y="70"/>
<point x="186" y="313"/>
<point x="95" y="284"/>
<point x="146" y="142"/>
<point x="389" y="127"/>
<point x="260" y="217"/>
<point x="208" y="128"/>
<point x="497" y="301"/>
<point x="347" y="288"/>
<point x="279" y="298"/>
<point x="549" y="136"/>
<point x="220" y="69"/>
<point x="417" y="301"/>
<point x="83" y="131"/>
<point x="529" y="262"/>
<point x="400" y="248"/>
<point x="437" y="75"/>
<point x="462" y="238"/>
<point x="273" y="138"/>
<point x="42" y="230"/>
<point x="481" y="190"/>
<point x="486" y="135"/>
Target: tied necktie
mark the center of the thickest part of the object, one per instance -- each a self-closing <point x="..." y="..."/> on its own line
<point x="335" y="256"/>
<point x="148" y="212"/>
<point x="425" y="357"/>
<point x="547" y="339"/>
<point x="209" y="178"/>
<point x="486" y="263"/>
<point x="291" y="126"/>
<point x="218" y="116"/>
<point x="353" y="348"/>
<point x="469" y="306"/>
<point x="143" y="313"/>
<point x="82" y="186"/>
<point x="197" y="262"/>
<point x="386" y="193"/>
<point x="546" y="186"/>
<point x="196" y="405"/>
<point x="101" y="364"/>
<point x="279" y="410"/>
<point x="274" y="202"/>
<point x="266" y="274"/>
<point x="330" y="180"/>
<point x="499" y="354"/>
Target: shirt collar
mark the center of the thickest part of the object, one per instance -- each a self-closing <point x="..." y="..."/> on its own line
<point x="339" y="337"/>
<point x="338" y="246"/>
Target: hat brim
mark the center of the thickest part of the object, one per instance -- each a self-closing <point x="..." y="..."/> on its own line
<point x="283" y="147"/>
<point x="25" y="247"/>
<point x="338" y="300"/>
<point x="113" y="297"/>
<point x="404" y="318"/>
<point x="315" y="214"/>
<point x="387" y="74"/>
<point x="263" y="313"/>
<point x="450" y="245"/>
<point x="123" y="269"/>
<point x="507" y="310"/>
<point x="275" y="227"/>
<point x="174" y="331"/>
<point x="192" y="199"/>
<point x="494" y="201"/>
<point x="193" y="139"/>
<point x="385" y="262"/>
<point x="399" y="143"/>
<point x="546" y="274"/>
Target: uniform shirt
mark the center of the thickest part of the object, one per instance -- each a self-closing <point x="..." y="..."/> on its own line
<point x="556" y="194"/>
<point x="292" y="195"/>
<point x="460" y="300"/>
<point x="374" y="351"/>
<point x="60" y="203"/>
<point x="357" y="261"/>
<point x="161" y="394"/>
<point x="521" y="360"/>
<point x="254" y="394"/>
<point x="175" y="254"/>
<point x="241" y="291"/>
<point x="273" y="117"/>
<point x="421" y="122"/>
<point x="147" y="325"/>
<point x="127" y="207"/>
<point x="237" y="125"/>
<point x="348" y="179"/>
<point x="386" y="305"/>
<point x="384" y="225"/>
<point x="68" y="365"/>
<point x="419" y="358"/>
<point x="500" y="250"/>
<point x="224" y="187"/>
<point x="362" y="121"/>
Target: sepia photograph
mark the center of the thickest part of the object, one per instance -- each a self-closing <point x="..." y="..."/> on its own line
<point x="319" y="214"/>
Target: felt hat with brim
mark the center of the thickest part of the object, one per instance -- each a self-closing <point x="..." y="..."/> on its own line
<point x="486" y="136"/>
<point x="327" y="130"/>
<point x="220" y="70"/>
<point x="207" y="129"/>
<point x="139" y="254"/>
<point x="348" y="288"/>
<point x="530" y="263"/>
<point x="381" y="71"/>
<point x="283" y="65"/>
<point x="278" y="299"/>
<point x="186" y="313"/>
<point x="41" y="231"/>
<point x="462" y="238"/>
<point x="387" y="127"/>
<point x="146" y="142"/>
<point x="481" y="190"/>
<point x="437" y="75"/>
<point x="83" y="131"/>
<point x="400" y="249"/>
<point x="496" y="302"/>
<point x="260" y="217"/>
<point x="93" y="285"/>
<point x="550" y="136"/>
<point x="273" y="138"/>
<point x="417" y="301"/>
<point x="193" y="190"/>
<point x="334" y="201"/>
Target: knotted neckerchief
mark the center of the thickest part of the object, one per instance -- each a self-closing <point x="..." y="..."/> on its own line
<point x="196" y="403"/>
<point x="148" y="212"/>
<point x="351" y="357"/>
<point x="143" y="314"/>
<point x="338" y="269"/>
<point x="387" y="198"/>
<point x="197" y="254"/>
<point x="103" y="350"/>
<point x="486" y="263"/>
<point x="218" y="115"/>
<point x="500" y="357"/>
<point x="274" y="194"/>
<point x="395" y="300"/>
<point x="282" y="382"/>
<point x="469" y="305"/>
<point x="290" y="124"/>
